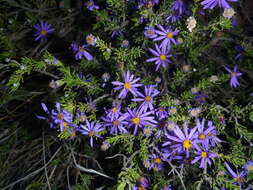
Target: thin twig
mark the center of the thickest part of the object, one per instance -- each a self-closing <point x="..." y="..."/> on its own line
<point x="88" y="170"/>
<point x="44" y="158"/>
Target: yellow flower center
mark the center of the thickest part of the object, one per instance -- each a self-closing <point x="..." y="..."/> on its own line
<point x="114" y="110"/>
<point x="187" y="144"/>
<point x="249" y="167"/>
<point x="149" y="4"/>
<point x="157" y="160"/>
<point x="209" y="134"/>
<point x="89" y="39"/>
<point x="81" y="49"/>
<point x="203" y="154"/>
<point x="43" y="32"/>
<point x="73" y="134"/>
<point x="91" y="133"/>
<point x="115" y="123"/>
<point x="150" y="32"/>
<point x="65" y="124"/>
<point x="127" y="85"/>
<point x="89" y="3"/>
<point x="163" y="57"/>
<point x="161" y="109"/>
<point x="173" y="110"/>
<point x="141" y="188"/>
<point x="170" y="35"/>
<point x="234" y="74"/>
<point x="202" y="136"/>
<point x="60" y="116"/>
<point x="82" y="118"/>
<point x="203" y="99"/>
<point x="147" y="98"/>
<point x="136" y="120"/>
<point x="239" y="180"/>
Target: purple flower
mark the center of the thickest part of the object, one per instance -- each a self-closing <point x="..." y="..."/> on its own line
<point x="182" y="142"/>
<point x="161" y="113"/>
<point x="150" y="93"/>
<point x="234" y="76"/>
<point x="161" y="57"/>
<point x="156" y="162"/>
<point x="238" y="177"/>
<point x="167" y="35"/>
<point x="204" y="156"/>
<point x="148" y="3"/>
<point x="116" y="124"/>
<point x="172" y="155"/>
<point x="139" y="119"/>
<point x="210" y="4"/>
<point x="240" y="52"/>
<point x="178" y="6"/>
<point x="91" y="129"/>
<point x="204" y="135"/>
<point x="81" y="116"/>
<point x="42" y="30"/>
<point x="129" y="85"/>
<point x="80" y="51"/>
<point x="201" y="98"/>
<point x="150" y="32"/>
<point x="61" y="117"/>
<point x="248" y="167"/>
<point x="90" y="5"/>
<point x="142" y="183"/>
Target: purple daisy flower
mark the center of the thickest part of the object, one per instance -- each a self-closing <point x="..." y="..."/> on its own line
<point x="201" y="98"/>
<point x="114" y="112"/>
<point x="150" y="93"/>
<point x="116" y="124"/>
<point x="178" y="6"/>
<point x="234" y="76"/>
<point x="81" y="116"/>
<point x="172" y="155"/>
<point x="161" y="113"/>
<point x="182" y="142"/>
<point x="61" y="117"/>
<point x="204" y="156"/>
<point x="91" y="129"/>
<point x="143" y="183"/>
<point x="210" y="4"/>
<point x="167" y="35"/>
<point x="90" y="5"/>
<point x="203" y="135"/>
<point x="129" y="85"/>
<point x="150" y="32"/>
<point x="156" y="162"/>
<point x="238" y="177"/>
<point x="248" y="167"/>
<point x="161" y="57"/>
<point x="139" y="119"/>
<point x="42" y="30"/>
<point x="80" y="51"/>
